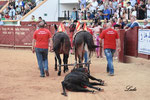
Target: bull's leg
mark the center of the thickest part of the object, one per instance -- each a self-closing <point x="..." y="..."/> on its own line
<point x="99" y="80"/>
<point x="63" y="87"/>
<point x="94" y="83"/>
<point x="65" y="60"/>
<point x="89" y="85"/>
<point x="55" y="63"/>
<point x="78" y="88"/>
<point x="59" y="60"/>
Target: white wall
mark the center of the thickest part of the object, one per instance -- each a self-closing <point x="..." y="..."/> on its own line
<point x="67" y="7"/>
<point x="68" y="1"/>
<point x="50" y="7"/>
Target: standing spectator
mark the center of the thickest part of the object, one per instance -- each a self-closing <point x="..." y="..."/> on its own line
<point x="22" y="11"/>
<point x="40" y="43"/>
<point x="93" y="5"/>
<point x="134" y="12"/>
<point x="12" y="3"/>
<point x="82" y="2"/>
<point x="110" y="37"/>
<point x="142" y="10"/>
<point x="74" y="14"/>
<point x="148" y="9"/>
<point x="133" y="2"/>
<point x="33" y="18"/>
<point x="106" y="12"/>
<point x="12" y="12"/>
<point x="115" y="3"/>
<point x="40" y="19"/>
<point x="100" y="6"/>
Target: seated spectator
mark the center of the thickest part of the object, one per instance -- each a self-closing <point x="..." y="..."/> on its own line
<point x="133" y="24"/>
<point x="113" y="22"/>
<point x="90" y="16"/>
<point x="120" y="23"/>
<point x="146" y="24"/>
<point x="7" y="17"/>
<point x="106" y="12"/>
<point x="81" y="16"/>
<point x="100" y="13"/>
<point x="1" y="22"/>
<point x="18" y="16"/>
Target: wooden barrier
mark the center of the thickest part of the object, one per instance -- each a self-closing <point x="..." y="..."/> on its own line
<point x="131" y="42"/>
<point x="121" y="56"/>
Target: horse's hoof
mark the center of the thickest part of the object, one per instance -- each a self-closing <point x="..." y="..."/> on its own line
<point x="59" y="73"/>
<point x="55" y="69"/>
<point x="93" y="91"/>
<point x="64" y="94"/>
<point x="102" y="83"/>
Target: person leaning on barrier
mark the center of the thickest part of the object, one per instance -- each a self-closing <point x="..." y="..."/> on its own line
<point x="110" y="37"/>
<point x="146" y="24"/>
<point x="40" y="43"/>
<point x="131" y="25"/>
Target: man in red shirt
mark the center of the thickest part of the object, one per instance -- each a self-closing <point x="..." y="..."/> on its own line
<point x="40" y="43"/>
<point x="110" y="37"/>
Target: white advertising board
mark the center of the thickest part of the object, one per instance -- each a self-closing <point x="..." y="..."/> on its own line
<point x="144" y="41"/>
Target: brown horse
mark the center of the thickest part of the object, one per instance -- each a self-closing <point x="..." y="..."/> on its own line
<point x="83" y="40"/>
<point x="61" y="45"/>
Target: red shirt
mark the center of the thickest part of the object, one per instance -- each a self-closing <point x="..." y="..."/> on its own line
<point x="109" y="35"/>
<point x="42" y="36"/>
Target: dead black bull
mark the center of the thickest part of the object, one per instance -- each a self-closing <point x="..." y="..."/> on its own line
<point x="78" y="79"/>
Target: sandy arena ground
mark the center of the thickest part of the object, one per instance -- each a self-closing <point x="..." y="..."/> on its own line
<point x="19" y="79"/>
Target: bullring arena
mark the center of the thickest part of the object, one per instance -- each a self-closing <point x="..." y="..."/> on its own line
<point x="19" y="79"/>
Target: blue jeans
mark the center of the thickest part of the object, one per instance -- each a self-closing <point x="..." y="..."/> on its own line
<point x="109" y="55"/>
<point x="42" y="58"/>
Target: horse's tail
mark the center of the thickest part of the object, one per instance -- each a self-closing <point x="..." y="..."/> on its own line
<point x="58" y="43"/>
<point x="90" y="43"/>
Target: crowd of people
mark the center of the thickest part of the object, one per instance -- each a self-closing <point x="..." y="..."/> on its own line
<point x="116" y="11"/>
<point x="17" y="9"/>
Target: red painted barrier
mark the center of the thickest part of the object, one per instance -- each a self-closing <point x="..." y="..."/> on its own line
<point x="7" y="35"/>
<point x="24" y="35"/>
<point x="131" y="42"/>
<point x="121" y="56"/>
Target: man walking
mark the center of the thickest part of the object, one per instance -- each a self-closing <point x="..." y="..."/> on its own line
<point x="110" y="37"/>
<point x="40" y="43"/>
